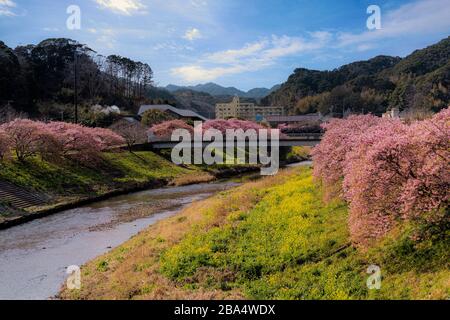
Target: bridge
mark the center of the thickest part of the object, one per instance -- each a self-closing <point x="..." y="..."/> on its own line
<point x="308" y="140"/>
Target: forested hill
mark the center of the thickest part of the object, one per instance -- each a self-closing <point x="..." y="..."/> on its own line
<point x="420" y="81"/>
<point x="216" y="90"/>
<point x="40" y="79"/>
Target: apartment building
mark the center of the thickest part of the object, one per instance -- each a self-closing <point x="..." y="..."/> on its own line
<point x="246" y="111"/>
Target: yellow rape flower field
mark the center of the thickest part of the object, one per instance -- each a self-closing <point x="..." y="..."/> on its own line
<point x="270" y="239"/>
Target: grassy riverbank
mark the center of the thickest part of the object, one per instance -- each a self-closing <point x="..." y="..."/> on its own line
<point x="70" y="178"/>
<point x="270" y="239"/>
<point x="68" y="182"/>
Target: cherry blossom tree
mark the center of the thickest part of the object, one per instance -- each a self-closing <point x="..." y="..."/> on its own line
<point x="133" y="133"/>
<point x="55" y="140"/>
<point x="223" y="125"/>
<point x="74" y="138"/>
<point x="373" y="176"/>
<point x="25" y="137"/>
<point x="5" y="145"/>
<point x="108" y="139"/>
<point x="398" y="172"/>
<point x="330" y="155"/>
<point x="165" y="129"/>
<point x="428" y="186"/>
<point x="388" y="171"/>
<point x="83" y="143"/>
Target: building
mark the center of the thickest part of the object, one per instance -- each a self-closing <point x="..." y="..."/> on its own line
<point x="127" y="121"/>
<point x="131" y="120"/>
<point x="394" y="113"/>
<point x="307" y="119"/>
<point x="177" y="113"/>
<point x="246" y="111"/>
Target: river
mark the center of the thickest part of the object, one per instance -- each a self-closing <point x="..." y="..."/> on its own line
<point x="34" y="256"/>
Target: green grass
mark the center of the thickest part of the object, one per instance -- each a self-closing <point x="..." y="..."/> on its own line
<point x="293" y="246"/>
<point x="297" y="154"/>
<point x="69" y="178"/>
<point x="269" y="239"/>
<point x="67" y="182"/>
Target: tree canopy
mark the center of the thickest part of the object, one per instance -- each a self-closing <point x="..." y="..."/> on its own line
<point x="45" y="74"/>
<point x="418" y="81"/>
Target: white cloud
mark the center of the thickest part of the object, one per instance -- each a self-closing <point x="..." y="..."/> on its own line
<point x="125" y="7"/>
<point x="106" y="37"/>
<point x="50" y="29"/>
<point x="7" y="3"/>
<point x="195" y="73"/>
<point x="419" y="17"/>
<point x="285" y="46"/>
<point x="364" y="47"/>
<point x="6" y="7"/>
<point x="111" y="36"/>
<point x="233" y="55"/>
<point x="192" y="34"/>
<point x="193" y="11"/>
<point x="251" y="57"/>
<point x="171" y="46"/>
<point x="199" y="3"/>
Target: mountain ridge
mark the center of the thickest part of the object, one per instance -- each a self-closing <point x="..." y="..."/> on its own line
<point x="419" y="81"/>
<point x="217" y="90"/>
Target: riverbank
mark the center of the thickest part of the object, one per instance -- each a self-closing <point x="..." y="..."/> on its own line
<point x="34" y="256"/>
<point x="68" y="185"/>
<point x="269" y="239"/>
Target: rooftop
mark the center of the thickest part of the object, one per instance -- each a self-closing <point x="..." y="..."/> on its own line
<point x="164" y="107"/>
<point x="306" y="117"/>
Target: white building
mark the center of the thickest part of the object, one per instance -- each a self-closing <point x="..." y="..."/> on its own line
<point x="246" y="111"/>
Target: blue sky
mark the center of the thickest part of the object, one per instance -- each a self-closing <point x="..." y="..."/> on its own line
<point x="241" y="43"/>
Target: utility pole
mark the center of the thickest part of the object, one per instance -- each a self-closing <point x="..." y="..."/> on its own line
<point x="75" y="100"/>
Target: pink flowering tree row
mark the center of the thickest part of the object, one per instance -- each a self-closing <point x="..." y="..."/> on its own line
<point x="330" y="156"/>
<point x="300" y="129"/>
<point x="388" y="172"/>
<point x="233" y="124"/>
<point x="165" y="129"/>
<point x="26" y="138"/>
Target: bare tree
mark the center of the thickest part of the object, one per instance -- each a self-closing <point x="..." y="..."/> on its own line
<point x="133" y="132"/>
<point x="8" y="114"/>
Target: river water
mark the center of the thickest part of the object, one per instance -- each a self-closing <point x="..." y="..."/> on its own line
<point x="34" y="256"/>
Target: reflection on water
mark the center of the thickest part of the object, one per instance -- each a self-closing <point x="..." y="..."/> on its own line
<point x="34" y="256"/>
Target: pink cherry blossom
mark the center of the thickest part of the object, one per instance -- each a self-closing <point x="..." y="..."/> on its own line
<point x="329" y="156"/>
<point x="387" y="171"/>
<point x="25" y="136"/>
<point x="5" y="145"/>
<point x="55" y="140"/>
<point x="165" y="129"/>
<point x="224" y="125"/>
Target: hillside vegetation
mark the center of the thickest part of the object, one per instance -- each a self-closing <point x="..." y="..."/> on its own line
<point x="68" y="181"/>
<point x="420" y="81"/>
<point x="271" y="239"/>
<point x="39" y="79"/>
<point x="216" y="90"/>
